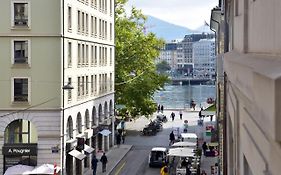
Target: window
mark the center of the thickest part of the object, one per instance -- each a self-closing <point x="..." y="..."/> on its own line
<point x="83" y="22"/>
<point x="105" y="30"/>
<point x="110" y="7"/>
<point x="87" y="24"/>
<point x="110" y="56"/>
<point x="92" y="25"/>
<point x="69" y="54"/>
<point x="21" y="52"/>
<point x="92" y="84"/>
<point x="95" y="26"/>
<point x="69" y="18"/>
<point x="95" y="56"/>
<point x="69" y="95"/>
<point x="83" y="85"/>
<point x="79" y="54"/>
<point x="79" y="87"/>
<point x="87" y="86"/>
<point x="78" y="21"/>
<point x="20" y="90"/>
<point x="83" y="53"/>
<point x="87" y="54"/>
<point x="96" y="85"/>
<point x="92" y="55"/>
<point x="21" y="131"/>
<point x="110" y="31"/>
<point x="21" y="14"/>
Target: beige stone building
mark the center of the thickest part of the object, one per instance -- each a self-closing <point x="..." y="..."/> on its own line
<point x="45" y="45"/>
<point x="252" y="67"/>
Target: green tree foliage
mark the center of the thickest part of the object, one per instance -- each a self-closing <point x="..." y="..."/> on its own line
<point x="136" y="78"/>
<point x="162" y="67"/>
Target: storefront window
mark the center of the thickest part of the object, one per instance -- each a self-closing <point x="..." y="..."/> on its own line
<point x="21" y="131"/>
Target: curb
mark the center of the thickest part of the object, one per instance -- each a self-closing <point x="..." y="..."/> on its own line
<point x="117" y="162"/>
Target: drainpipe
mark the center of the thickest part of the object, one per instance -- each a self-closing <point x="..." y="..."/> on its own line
<point x="63" y="82"/>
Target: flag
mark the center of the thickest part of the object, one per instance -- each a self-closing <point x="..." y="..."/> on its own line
<point x="206" y="24"/>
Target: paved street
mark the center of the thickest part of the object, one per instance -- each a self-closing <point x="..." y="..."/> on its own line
<point x="136" y="160"/>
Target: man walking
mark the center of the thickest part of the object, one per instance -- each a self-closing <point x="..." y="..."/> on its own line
<point x="104" y="162"/>
<point x="180" y="112"/>
<point x="172" y="138"/>
<point x="94" y="164"/>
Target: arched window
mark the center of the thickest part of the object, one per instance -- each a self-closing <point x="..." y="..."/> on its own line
<point x="94" y="117"/>
<point x="21" y="131"/>
<point x="87" y="119"/>
<point x="79" y="123"/>
<point x="69" y="129"/>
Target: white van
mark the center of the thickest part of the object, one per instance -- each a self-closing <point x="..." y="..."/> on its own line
<point x="158" y="157"/>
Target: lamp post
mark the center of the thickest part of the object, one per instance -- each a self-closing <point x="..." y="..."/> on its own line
<point x="65" y="87"/>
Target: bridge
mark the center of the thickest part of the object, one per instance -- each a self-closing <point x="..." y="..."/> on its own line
<point x="191" y="81"/>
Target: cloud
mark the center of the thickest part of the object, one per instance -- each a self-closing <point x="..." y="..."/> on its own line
<point x="188" y="13"/>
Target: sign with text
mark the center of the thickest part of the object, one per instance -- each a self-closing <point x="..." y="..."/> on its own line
<point x="19" y="149"/>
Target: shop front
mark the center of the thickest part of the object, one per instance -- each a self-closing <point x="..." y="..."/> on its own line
<point x="20" y="144"/>
<point x="14" y="154"/>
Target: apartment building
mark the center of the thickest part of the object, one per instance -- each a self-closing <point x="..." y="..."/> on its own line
<point x="204" y="58"/>
<point x="169" y="54"/>
<point x="185" y="54"/>
<point x="46" y="48"/>
<point x="251" y="65"/>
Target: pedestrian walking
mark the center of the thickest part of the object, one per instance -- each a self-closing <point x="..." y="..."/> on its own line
<point x="118" y="139"/>
<point x="103" y="160"/>
<point x="158" y="108"/>
<point x="204" y="148"/>
<point x="211" y="118"/>
<point x="94" y="164"/>
<point x="162" y="108"/>
<point x="172" y="138"/>
<point x="123" y="137"/>
<point x="173" y="116"/>
<point x="164" y="170"/>
<point x="180" y="112"/>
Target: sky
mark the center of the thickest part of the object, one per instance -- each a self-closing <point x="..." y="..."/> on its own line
<point x="187" y="13"/>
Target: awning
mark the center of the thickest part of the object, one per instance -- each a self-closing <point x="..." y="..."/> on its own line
<point x="181" y="152"/>
<point x="77" y="154"/>
<point x="105" y="132"/>
<point x="18" y="169"/>
<point x="88" y="149"/>
<point x="45" y="169"/>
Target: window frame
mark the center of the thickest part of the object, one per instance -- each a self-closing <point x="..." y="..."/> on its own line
<point x="13" y="26"/>
<point x="28" y="90"/>
<point x="28" y="50"/>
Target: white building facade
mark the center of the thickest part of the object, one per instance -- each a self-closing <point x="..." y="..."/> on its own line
<point x="252" y="83"/>
<point x="204" y="58"/>
<point x="44" y="46"/>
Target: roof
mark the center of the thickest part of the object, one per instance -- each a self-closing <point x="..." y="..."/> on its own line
<point x="163" y="149"/>
<point x="184" y="144"/>
<point x="181" y="152"/>
<point x="189" y="135"/>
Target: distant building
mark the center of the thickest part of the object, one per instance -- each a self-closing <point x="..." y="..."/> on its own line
<point x="185" y="52"/>
<point x="204" y="58"/>
<point x="169" y="54"/>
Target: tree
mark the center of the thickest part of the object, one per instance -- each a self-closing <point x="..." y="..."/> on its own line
<point x="163" y="66"/>
<point x="136" y="78"/>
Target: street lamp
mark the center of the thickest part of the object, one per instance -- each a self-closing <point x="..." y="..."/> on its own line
<point x="65" y="87"/>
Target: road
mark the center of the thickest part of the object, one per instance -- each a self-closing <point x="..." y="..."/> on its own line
<point x="136" y="161"/>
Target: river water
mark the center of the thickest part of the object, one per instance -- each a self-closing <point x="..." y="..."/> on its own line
<point x="179" y="96"/>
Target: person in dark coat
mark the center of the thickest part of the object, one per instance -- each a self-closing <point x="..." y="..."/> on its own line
<point x="118" y="139"/>
<point x="158" y="108"/>
<point x="94" y="164"/>
<point x="162" y="108"/>
<point x="172" y="138"/>
<point x="204" y="147"/>
<point x="103" y="160"/>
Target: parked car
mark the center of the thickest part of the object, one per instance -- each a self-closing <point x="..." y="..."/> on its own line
<point x="158" y="157"/>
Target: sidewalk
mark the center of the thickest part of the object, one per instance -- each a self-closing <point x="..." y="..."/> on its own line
<point x="114" y="156"/>
<point x="207" y="162"/>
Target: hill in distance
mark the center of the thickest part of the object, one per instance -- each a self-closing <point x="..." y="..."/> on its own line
<point x="166" y="30"/>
